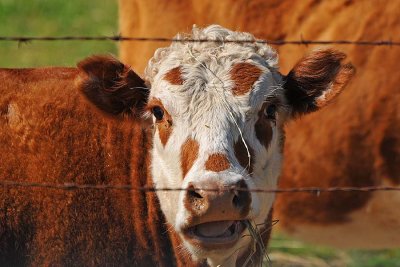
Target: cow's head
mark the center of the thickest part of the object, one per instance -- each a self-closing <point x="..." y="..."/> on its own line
<point x="219" y="110"/>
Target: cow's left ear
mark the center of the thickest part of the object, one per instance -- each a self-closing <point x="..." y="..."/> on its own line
<point x="315" y="80"/>
<point x="112" y="87"/>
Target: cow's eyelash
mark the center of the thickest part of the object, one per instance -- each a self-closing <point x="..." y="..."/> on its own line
<point x="149" y="108"/>
<point x="154" y="102"/>
<point x="272" y="99"/>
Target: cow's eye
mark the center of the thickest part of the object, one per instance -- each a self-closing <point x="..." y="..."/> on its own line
<point x="158" y="113"/>
<point x="270" y="112"/>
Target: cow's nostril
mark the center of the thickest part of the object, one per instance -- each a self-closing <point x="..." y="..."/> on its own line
<point x="236" y="201"/>
<point x="196" y="199"/>
<point x="192" y="192"/>
<point x="241" y="199"/>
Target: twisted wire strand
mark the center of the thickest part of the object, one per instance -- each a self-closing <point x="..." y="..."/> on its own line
<point x="119" y="38"/>
<point x="74" y="186"/>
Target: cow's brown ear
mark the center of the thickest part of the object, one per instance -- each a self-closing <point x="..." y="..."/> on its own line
<point x="316" y="79"/>
<point x="112" y="86"/>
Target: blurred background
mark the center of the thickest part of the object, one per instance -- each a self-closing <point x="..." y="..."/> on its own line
<point x="100" y="18"/>
<point x="55" y="18"/>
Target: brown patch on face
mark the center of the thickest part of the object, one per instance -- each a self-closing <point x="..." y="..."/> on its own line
<point x="217" y="162"/>
<point x="164" y="126"/>
<point x="242" y="156"/>
<point x="189" y="154"/>
<point x="263" y="129"/>
<point x="164" y="131"/>
<point x="174" y="76"/>
<point x="244" y="75"/>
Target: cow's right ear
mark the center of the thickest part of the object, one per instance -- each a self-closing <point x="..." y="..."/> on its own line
<point x="112" y="87"/>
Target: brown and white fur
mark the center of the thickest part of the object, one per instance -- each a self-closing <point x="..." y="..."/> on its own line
<point x="218" y="115"/>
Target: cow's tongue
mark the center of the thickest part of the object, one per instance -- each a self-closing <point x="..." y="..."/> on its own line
<point x="214" y="229"/>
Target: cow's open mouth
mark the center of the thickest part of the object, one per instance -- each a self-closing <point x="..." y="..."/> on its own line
<point x="215" y="234"/>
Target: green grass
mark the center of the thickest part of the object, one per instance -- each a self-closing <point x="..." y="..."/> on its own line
<point x="99" y="17"/>
<point x="288" y="252"/>
<point x="375" y="258"/>
<point x="55" y="18"/>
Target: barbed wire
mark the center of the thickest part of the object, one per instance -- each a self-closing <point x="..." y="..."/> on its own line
<point x="74" y="186"/>
<point x="119" y="38"/>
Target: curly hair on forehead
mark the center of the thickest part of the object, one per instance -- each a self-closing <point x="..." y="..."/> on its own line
<point x="183" y="51"/>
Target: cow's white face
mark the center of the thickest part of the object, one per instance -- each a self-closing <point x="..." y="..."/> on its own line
<point x="218" y="112"/>
<point x="218" y="119"/>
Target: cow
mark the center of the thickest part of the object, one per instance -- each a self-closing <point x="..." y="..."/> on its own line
<point x="358" y="136"/>
<point x="208" y="117"/>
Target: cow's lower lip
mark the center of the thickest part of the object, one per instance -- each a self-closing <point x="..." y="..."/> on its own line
<point x="226" y="234"/>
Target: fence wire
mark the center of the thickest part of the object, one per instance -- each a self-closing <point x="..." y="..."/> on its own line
<point x="119" y="38"/>
<point x="74" y="186"/>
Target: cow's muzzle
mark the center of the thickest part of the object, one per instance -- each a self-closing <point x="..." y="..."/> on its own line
<point x="216" y="213"/>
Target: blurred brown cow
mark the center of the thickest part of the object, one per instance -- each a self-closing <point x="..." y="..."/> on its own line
<point x="49" y="134"/>
<point x="358" y="137"/>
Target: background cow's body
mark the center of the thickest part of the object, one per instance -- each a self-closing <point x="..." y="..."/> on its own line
<point x="357" y="137"/>
<point x="50" y="135"/>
